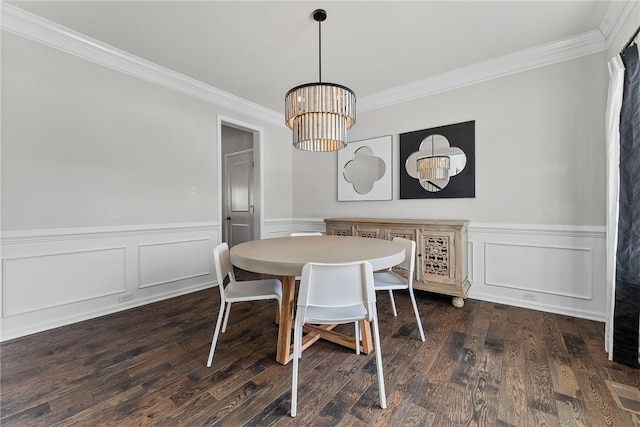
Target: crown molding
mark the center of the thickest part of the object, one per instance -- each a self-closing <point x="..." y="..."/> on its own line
<point x="539" y="56"/>
<point x="615" y="17"/>
<point x="588" y="43"/>
<point x="28" y="25"/>
<point x="34" y="27"/>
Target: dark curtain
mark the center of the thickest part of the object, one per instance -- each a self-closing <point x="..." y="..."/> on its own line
<point x="627" y="298"/>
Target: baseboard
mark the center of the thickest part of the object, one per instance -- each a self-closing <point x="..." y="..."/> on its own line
<point x="53" y="323"/>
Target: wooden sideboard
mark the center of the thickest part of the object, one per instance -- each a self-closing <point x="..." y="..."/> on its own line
<point x="441" y="249"/>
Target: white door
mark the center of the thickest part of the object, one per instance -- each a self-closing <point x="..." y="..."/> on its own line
<point x="239" y="215"/>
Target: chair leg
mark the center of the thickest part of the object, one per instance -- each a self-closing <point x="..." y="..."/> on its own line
<point x="297" y="353"/>
<point x="376" y="343"/>
<point x="226" y="318"/>
<point x="393" y="303"/>
<point x="357" y="336"/>
<point x="215" y="335"/>
<point x="415" y="310"/>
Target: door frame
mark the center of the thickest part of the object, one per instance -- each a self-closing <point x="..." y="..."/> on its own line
<point x="258" y="175"/>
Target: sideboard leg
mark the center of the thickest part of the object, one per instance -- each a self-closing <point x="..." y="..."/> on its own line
<point x="457" y="302"/>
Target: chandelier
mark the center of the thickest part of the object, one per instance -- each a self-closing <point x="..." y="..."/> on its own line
<point x="432" y="168"/>
<point x="320" y="113"/>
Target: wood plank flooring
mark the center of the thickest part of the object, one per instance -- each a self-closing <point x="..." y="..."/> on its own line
<point x="483" y="365"/>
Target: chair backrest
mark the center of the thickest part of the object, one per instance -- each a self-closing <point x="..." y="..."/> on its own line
<point x="337" y="285"/>
<point x="409" y="262"/>
<point x="223" y="266"/>
<point x="306" y="234"/>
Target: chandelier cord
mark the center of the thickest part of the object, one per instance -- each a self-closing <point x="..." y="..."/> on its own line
<point x="319" y="51"/>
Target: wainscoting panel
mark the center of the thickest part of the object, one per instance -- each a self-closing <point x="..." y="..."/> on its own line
<point x="52" y="278"/>
<point x="282" y="227"/>
<point x="43" y="281"/>
<point x="544" y="269"/>
<point x="161" y="263"/>
<point x="558" y="269"/>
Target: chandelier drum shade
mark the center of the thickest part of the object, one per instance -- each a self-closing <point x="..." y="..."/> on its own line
<point x="319" y="114"/>
<point x="433" y="168"/>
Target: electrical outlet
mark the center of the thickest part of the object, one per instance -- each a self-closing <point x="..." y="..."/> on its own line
<point x="125" y="297"/>
<point x="529" y="296"/>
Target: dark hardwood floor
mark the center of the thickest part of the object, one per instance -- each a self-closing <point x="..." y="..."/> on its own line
<point x="483" y="365"/>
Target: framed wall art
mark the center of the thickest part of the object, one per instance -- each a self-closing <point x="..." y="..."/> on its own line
<point x="455" y="145"/>
<point x="364" y="170"/>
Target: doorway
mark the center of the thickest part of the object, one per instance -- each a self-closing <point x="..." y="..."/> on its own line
<point x="240" y="182"/>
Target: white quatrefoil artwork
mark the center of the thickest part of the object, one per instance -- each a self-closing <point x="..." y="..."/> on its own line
<point x="364" y="170"/>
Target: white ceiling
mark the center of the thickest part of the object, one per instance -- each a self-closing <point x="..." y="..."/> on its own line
<point x="258" y="50"/>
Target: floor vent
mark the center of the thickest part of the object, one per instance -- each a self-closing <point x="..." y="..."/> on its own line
<point x="627" y="397"/>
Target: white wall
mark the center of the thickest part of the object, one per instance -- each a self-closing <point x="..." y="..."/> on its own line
<point x="97" y="169"/>
<point x="91" y="146"/>
<point x="539" y="150"/>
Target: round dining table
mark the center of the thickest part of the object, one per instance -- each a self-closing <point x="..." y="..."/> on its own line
<point x="285" y="257"/>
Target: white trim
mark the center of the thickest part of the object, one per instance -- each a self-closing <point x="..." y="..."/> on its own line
<point x="191" y="257"/>
<point x="34" y="27"/>
<point x="28" y="236"/>
<point x="258" y="158"/>
<point x="564" y="310"/>
<point x="539" y="229"/>
<point x="8" y="310"/>
<point x="579" y="285"/>
<point x="32" y="328"/>
<point x="492" y="227"/>
<point x="539" y="56"/>
<point x="614" y="19"/>
<point x="585" y="298"/>
<point x="523" y="287"/>
<point x="147" y="277"/>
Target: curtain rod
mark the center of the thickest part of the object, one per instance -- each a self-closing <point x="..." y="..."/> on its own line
<point x="631" y="40"/>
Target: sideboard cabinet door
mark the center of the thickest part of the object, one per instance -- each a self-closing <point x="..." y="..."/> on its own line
<point x="369" y="231"/>
<point x="340" y="229"/>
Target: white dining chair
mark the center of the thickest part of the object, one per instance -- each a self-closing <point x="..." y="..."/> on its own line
<point x="389" y="280"/>
<point x="300" y="234"/>
<point x="310" y="233"/>
<point x="332" y="294"/>
<point x="234" y="291"/>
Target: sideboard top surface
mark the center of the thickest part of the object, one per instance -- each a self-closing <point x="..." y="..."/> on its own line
<point x="442" y="222"/>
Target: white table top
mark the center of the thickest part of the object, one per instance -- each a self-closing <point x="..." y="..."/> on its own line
<point x="285" y="256"/>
